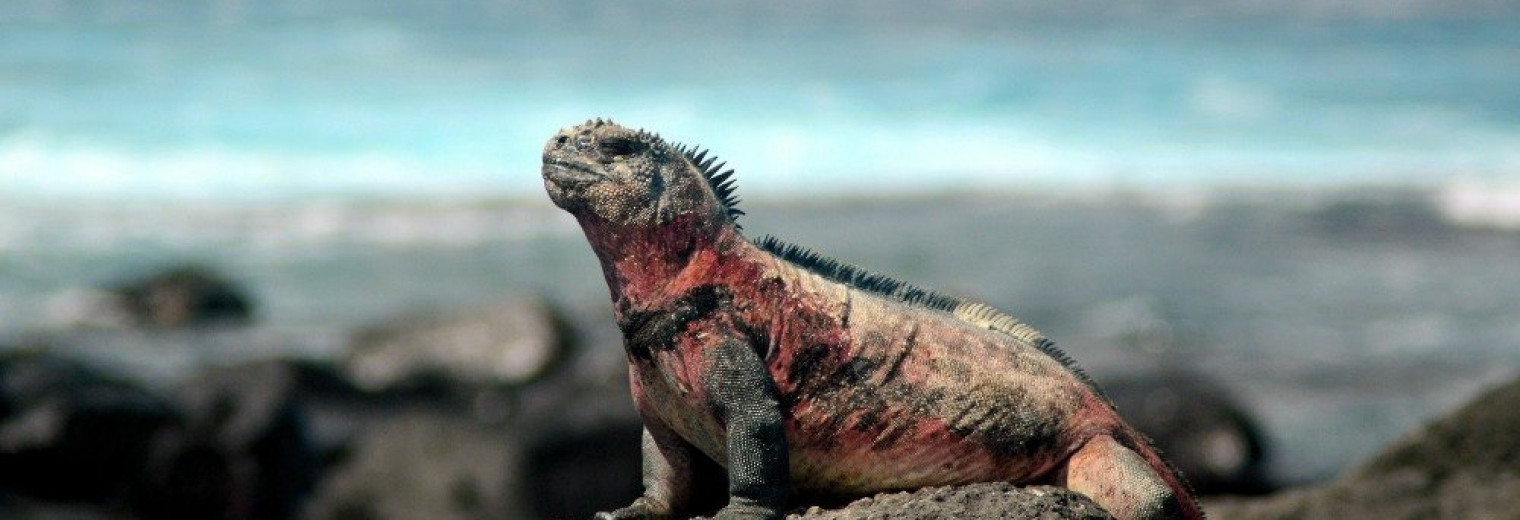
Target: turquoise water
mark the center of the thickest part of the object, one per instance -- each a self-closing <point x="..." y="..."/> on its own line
<point x="229" y="100"/>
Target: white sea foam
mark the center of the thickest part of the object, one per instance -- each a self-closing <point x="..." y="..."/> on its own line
<point x="276" y="228"/>
<point x="1485" y="204"/>
<point x="38" y="167"/>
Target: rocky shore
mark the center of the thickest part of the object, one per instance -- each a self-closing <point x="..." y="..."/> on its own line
<point x="1463" y="465"/>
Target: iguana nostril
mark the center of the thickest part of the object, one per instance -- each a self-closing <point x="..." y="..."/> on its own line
<point x="559" y="141"/>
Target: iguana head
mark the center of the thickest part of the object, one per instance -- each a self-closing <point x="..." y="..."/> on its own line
<point x="632" y="177"/>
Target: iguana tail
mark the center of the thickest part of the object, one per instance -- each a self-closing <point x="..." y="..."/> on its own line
<point x="1129" y="479"/>
<point x="1182" y="493"/>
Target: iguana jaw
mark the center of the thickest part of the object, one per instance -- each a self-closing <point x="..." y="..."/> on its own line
<point x="566" y="174"/>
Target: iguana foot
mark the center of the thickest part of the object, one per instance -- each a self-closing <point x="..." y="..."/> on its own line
<point x="747" y="511"/>
<point x="640" y="509"/>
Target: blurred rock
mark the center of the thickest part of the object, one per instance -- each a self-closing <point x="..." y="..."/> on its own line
<point x="1391" y="216"/>
<point x="336" y="410"/>
<point x="425" y="465"/>
<point x="579" y="428"/>
<point x="18" y="508"/>
<point x="88" y="308"/>
<point x="984" y="500"/>
<point x="68" y="432"/>
<point x="240" y="452"/>
<point x="181" y="296"/>
<point x="569" y="449"/>
<point x="576" y="466"/>
<point x="507" y="343"/>
<point x="576" y="473"/>
<point x="1464" y="465"/>
<point x="1197" y="426"/>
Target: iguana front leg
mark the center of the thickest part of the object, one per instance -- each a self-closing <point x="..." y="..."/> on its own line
<point x="743" y="397"/>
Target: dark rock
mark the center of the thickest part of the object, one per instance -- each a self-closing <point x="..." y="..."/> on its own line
<point x="1483" y="437"/>
<point x="1198" y="427"/>
<point x="507" y="343"/>
<point x="178" y="297"/>
<point x="1464" y="465"/>
<point x="1389" y="216"/>
<point x="979" y="501"/>
<point x="574" y="471"/>
<point x="241" y="451"/>
<point x="184" y="296"/>
<point x="336" y="410"/>
<point x="68" y="432"/>
<point x="20" y="508"/>
<point x="565" y="445"/>
<point x="571" y="449"/>
<point x="580" y="433"/>
<point x="425" y="465"/>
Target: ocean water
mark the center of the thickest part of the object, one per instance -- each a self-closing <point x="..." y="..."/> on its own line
<point x="235" y="100"/>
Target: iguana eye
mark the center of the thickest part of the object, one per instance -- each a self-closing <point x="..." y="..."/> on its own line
<point x="616" y="146"/>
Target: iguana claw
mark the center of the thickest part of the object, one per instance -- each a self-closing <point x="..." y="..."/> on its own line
<point x="639" y="510"/>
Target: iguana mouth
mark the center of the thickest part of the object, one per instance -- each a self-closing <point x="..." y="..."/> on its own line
<point x="563" y="172"/>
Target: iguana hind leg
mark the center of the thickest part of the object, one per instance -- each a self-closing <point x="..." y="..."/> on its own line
<point x="1120" y="481"/>
<point x="677" y="477"/>
<point x="669" y="476"/>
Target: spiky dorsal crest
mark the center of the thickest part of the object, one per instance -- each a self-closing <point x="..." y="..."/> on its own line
<point x="975" y="313"/>
<point x="720" y="180"/>
<point x="856" y="277"/>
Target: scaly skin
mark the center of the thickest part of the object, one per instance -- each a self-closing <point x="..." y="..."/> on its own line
<point x="794" y="373"/>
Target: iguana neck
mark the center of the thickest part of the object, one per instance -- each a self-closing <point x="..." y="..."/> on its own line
<point x="645" y="265"/>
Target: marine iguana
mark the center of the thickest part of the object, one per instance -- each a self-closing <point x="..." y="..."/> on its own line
<point x="797" y="373"/>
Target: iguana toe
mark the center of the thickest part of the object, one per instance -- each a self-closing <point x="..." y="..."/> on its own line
<point x="638" y="510"/>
